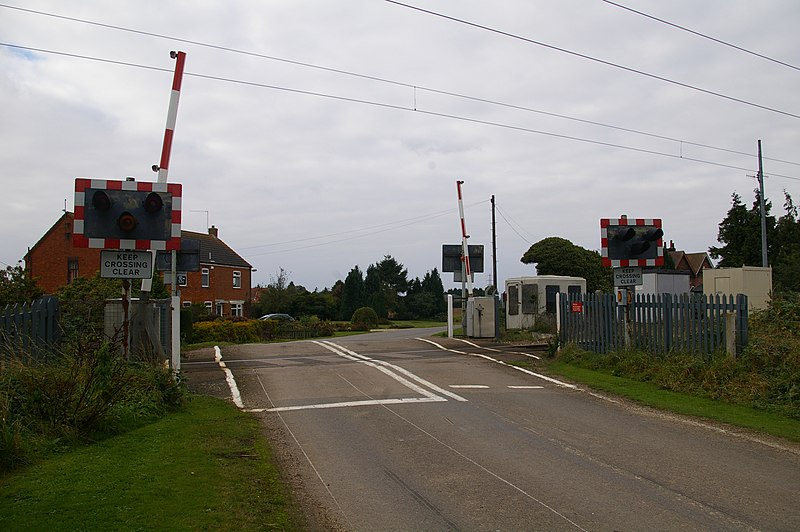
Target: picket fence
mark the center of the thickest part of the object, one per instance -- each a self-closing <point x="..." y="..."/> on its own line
<point x="29" y="330"/>
<point x="658" y="324"/>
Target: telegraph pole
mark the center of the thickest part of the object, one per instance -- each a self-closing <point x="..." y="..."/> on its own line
<point x="494" y="277"/>
<point x="764" y="261"/>
<point x="494" y="249"/>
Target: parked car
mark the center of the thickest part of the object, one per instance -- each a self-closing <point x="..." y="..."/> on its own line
<point x="277" y="317"/>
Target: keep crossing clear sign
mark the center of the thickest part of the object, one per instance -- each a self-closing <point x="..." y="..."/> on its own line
<point x="628" y="276"/>
<point x="126" y="264"/>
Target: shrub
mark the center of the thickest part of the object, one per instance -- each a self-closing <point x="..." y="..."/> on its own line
<point x="364" y="319"/>
<point x="82" y="395"/>
<point x="227" y="331"/>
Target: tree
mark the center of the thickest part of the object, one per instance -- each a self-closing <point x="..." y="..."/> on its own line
<point x="740" y="234"/>
<point x="786" y="253"/>
<point x="558" y="256"/>
<point x="426" y="298"/>
<point x="277" y="295"/>
<point x="353" y="294"/>
<point x="385" y="284"/>
<point x="17" y="287"/>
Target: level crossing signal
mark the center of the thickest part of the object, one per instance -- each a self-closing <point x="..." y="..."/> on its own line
<point x="631" y="242"/>
<point x="127" y="215"/>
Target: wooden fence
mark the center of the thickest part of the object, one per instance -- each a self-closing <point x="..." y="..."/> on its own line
<point x="655" y="323"/>
<point x="29" y="331"/>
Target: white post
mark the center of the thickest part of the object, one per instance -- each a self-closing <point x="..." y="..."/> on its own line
<point x="449" y="315"/>
<point x="558" y="313"/>
<point x="176" y="332"/>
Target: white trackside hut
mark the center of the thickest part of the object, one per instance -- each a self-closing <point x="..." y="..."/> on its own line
<point x="527" y="297"/>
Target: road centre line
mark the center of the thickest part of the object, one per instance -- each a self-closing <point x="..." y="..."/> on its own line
<point x="470" y="386"/>
<point x="526" y="387"/>
<point x="487" y="357"/>
<point x="382" y="365"/>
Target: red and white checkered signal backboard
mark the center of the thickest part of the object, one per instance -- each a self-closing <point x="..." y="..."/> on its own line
<point x="153" y="212"/>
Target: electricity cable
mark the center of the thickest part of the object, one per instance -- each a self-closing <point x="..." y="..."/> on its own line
<point x="596" y="59"/>
<point x="411" y="109"/>
<point x="382" y="80"/>
<point x="703" y="35"/>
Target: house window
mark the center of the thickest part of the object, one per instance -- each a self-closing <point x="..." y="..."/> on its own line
<point x="237" y="308"/>
<point x="72" y="269"/>
<point x="237" y="279"/>
<point x="186" y="304"/>
<point x="220" y="308"/>
<point x="205" y="280"/>
<point x="209" y="305"/>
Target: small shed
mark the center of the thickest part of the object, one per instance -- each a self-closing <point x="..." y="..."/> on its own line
<point x="527" y="297"/>
<point x="753" y="281"/>
<point x="672" y="282"/>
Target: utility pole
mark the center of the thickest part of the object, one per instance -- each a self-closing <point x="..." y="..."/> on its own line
<point x="494" y="276"/>
<point x="494" y="249"/>
<point x="764" y="261"/>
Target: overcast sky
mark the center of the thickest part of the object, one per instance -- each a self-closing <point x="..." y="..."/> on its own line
<point x="366" y="166"/>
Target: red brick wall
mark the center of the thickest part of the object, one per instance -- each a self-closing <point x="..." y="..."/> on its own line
<point x="47" y="262"/>
<point x="220" y="287"/>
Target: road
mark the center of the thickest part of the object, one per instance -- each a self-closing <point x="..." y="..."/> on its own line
<point x="403" y="431"/>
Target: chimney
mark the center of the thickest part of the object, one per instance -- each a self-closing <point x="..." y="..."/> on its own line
<point x="213" y="231"/>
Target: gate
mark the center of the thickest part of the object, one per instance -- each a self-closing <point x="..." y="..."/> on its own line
<point x="658" y="323"/>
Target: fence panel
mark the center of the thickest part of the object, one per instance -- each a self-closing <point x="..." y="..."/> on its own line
<point x="656" y="323"/>
<point x="29" y="331"/>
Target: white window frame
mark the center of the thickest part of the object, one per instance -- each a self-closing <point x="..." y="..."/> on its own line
<point x="237" y="279"/>
<point x="186" y="304"/>
<point x="205" y="277"/>
<point x="237" y="308"/>
<point x="209" y="306"/>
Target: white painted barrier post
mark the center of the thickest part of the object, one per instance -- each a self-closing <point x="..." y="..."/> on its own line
<point x="449" y="315"/>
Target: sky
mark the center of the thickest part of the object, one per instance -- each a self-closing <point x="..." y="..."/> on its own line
<point x="318" y="135"/>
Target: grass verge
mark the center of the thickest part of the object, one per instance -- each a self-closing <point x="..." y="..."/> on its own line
<point x="205" y="467"/>
<point x="652" y="395"/>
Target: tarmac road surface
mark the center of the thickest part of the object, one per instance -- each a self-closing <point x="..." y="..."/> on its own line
<point x="399" y="430"/>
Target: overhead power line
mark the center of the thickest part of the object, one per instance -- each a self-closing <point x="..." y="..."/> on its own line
<point x="596" y="59"/>
<point x="699" y="34"/>
<point x="415" y="87"/>
<point x="403" y="108"/>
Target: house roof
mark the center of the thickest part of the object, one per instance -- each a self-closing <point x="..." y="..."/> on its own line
<point x="695" y="261"/>
<point x="212" y="249"/>
<point x="66" y="217"/>
<point x="215" y="251"/>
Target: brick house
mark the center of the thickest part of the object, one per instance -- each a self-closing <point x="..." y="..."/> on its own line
<point x="694" y="263"/>
<point x="222" y="285"/>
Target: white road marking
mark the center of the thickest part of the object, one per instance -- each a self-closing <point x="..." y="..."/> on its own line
<point x="470" y="386"/>
<point x="526" y="387"/>
<point x="473" y="344"/>
<point x="487" y="357"/>
<point x="237" y="397"/>
<point x="346" y="404"/>
<point x="346" y="353"/>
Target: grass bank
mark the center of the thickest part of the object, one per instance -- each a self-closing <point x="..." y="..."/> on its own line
<point x="204" y="467"/>
<point x="649" y="394"/>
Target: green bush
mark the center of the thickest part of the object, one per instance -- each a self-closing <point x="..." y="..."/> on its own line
<point x="364" y="319"/>
<point x="228" y="331"/>
<point x="81" y="396"/>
